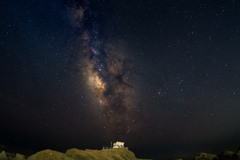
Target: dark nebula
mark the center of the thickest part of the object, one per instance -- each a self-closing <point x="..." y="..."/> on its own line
<point x="108" y="72"/>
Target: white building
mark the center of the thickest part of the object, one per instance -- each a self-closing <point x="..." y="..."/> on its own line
<point x="118" y="145"/>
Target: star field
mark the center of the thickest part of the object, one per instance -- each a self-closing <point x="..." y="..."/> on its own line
<point x="163" y="77"/>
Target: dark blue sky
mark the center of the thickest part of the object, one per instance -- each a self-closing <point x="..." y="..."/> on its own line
<point x="161" y="76"/>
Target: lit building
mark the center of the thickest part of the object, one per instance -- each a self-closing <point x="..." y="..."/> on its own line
<point x="116" y="145"/>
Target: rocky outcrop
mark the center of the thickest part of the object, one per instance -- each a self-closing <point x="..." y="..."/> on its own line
<point x="75" y="154"/>
<point x="49" y="155"/>
<point x="228" y="155"/>
<point x="11" y="156"/>
<point x="19" y="157"/>
<point x="225" y="155"/>
<point x="238" y="153"/>
<point x="116" y="154"/>
<point x="205" y="156"/>
<point x="3" y="156"/>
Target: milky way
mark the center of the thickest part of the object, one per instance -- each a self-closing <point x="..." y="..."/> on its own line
<point x="108" y="73"/>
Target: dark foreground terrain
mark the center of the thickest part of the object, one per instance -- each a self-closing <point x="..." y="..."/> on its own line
<point x="105" y="154"/>
<point x="75" y="154"/>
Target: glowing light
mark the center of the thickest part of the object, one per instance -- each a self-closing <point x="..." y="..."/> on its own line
<point x="99" y="83"/>
<point x="96" y="82"/>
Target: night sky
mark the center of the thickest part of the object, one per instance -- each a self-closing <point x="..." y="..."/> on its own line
<point x="161" y="76"/>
